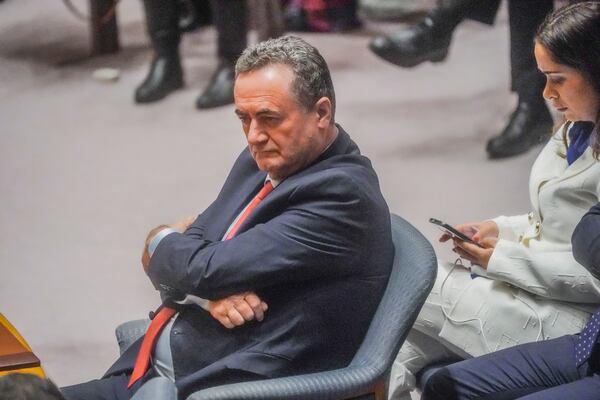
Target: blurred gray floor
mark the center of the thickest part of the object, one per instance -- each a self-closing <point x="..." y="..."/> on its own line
<point x="85" y="173"/>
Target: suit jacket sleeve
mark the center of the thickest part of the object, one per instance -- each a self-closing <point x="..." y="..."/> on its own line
<point x="314" y="236"/>
<point x="510" y="228"/>
<point x="586" y="241"/>
<point x="550" y="274"/>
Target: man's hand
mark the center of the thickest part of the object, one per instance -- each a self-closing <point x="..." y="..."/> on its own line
<point x="235" y="310"/>
<point x="179" y="226"/>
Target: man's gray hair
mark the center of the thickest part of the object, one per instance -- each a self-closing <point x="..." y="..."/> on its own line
<point x="312" y="79"/>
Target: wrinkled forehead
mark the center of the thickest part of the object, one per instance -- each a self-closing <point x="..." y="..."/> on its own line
<point x="272" y="83"/>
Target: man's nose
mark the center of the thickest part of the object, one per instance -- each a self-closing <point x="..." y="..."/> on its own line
<point x="256" y="134"/>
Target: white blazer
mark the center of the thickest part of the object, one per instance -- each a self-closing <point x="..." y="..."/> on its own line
<point x="533" y="288"/>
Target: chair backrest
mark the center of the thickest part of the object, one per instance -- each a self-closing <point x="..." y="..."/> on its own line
<point x="413" y="275"/>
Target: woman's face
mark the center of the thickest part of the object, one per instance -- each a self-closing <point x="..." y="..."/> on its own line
<point x="567" y="89"/>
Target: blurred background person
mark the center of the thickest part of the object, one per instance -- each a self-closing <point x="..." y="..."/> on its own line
<point x="321" y="15"/>
<point x="530" y="122"/>
<point x="28" y="387"/>
<point x="166" y="74"/>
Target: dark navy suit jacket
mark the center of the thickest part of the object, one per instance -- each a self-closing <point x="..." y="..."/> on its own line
<point x="586" y="241"/>
<point x="317" y="250"/>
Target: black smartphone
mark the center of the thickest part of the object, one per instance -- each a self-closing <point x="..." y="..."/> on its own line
<point x="452" y="231"/>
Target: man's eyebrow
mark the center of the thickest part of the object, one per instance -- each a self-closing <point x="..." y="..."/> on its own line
<point x="264" y="111"/>
<point x="550" y="72"/>
<point x="261" y="112"/>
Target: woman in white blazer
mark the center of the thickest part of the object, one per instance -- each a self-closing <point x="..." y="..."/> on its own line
<point x="523" y="284"/>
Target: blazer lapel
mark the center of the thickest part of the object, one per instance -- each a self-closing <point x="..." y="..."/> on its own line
<point x="584" y="161"/>
<point x="548" y="166"/>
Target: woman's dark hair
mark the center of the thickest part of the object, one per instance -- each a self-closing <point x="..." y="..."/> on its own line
<point x="572" y="37"/>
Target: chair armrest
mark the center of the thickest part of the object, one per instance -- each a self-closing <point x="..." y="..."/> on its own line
<point x="342" y="383"/>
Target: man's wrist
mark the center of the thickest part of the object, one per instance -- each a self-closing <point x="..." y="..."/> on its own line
<point x="157" y="239"/>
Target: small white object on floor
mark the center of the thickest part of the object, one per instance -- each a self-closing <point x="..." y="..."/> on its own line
<point x="106" y="74"/>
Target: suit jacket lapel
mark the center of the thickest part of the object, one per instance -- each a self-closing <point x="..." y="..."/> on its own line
<point x="551" y="169"/>
<point x="250" y="186"/>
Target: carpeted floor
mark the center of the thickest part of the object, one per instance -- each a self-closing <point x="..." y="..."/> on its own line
<point x="85" y="173"/>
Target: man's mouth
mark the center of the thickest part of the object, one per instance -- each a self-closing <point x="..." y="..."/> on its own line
<point x="561" y="109"/>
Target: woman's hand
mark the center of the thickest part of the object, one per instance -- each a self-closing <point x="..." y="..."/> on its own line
<point x="476" y="254"/>
<point x="475" y="230"/>
<point x="484" y="233"/>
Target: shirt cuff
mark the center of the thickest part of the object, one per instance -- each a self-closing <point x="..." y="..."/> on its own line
<point x="157" y="238"/>
<point x="191" y="299"/>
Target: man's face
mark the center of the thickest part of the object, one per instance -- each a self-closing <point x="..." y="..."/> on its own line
<point x="283" y="137"/>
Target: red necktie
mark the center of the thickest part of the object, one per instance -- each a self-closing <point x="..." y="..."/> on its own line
<point x="164" y="315"/>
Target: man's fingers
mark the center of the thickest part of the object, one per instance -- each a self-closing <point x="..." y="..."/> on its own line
<point x="235" y="317"/>
<point x="258" y="306"/>
<point x="252" y="299"/>
<point x="244" y="309"/>
<point x="224" y="320"/>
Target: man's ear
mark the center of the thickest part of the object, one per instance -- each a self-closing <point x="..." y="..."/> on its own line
<point x="324" y="110"/>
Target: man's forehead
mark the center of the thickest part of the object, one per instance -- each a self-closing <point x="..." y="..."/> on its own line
<point x="276" y="78"/>
<point x="268" y="88"/>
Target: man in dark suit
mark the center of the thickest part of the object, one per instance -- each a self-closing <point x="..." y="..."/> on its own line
<point x="314" y="246"/>
<point x="564" y="368"/>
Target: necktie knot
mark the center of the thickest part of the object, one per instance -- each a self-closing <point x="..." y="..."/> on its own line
<point x="266" y="189"/>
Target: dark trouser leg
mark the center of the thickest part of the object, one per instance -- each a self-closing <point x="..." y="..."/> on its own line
<point x="509" y="374"/>
<point x="525" y="18"/>
<point x="430" y="40"/>
<point x="584" y="389"/>
<point x="230" y="20"/>
<point x="165" y="75"/>
<point x="483" y="11"/>
<point x="531" y="122"/>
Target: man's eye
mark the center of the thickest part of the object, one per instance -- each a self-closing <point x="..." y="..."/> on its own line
<point x="270" y="119"/>
<point x="557" y="80"/>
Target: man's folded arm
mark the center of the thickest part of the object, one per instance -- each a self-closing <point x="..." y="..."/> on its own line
<point x="316" y="236"/>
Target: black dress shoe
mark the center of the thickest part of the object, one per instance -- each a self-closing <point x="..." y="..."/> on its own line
<point x="528" y="126"/>
<point x="165" y="76"/>
<point x="219" y="91"/>
<point x="426" y="41"/>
